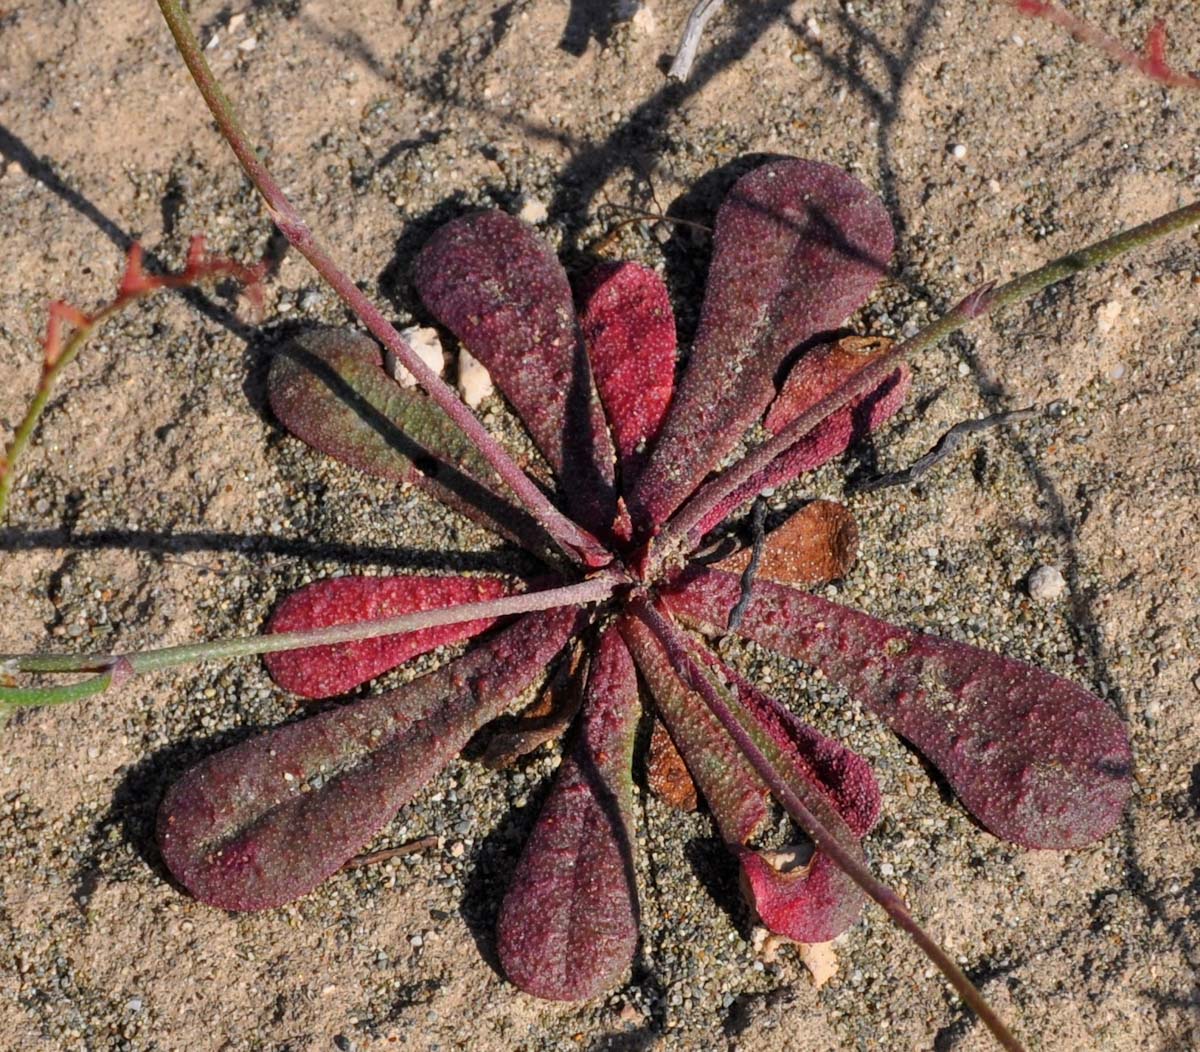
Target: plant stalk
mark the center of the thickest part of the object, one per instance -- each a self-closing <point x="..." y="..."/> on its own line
<point x="594" y="589"/>
<point x="701" y="681"/>
<point x="28" y="424"/>
<point x="670" y="542"/>
<point x="580" y="545"/>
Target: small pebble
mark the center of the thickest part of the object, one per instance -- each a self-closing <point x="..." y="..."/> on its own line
<point x="427" y="346"/>
<point x="644" y="21"/>
<point x="1107" y="315"/>
<point x="958" y="151"/>
<point x="1046" y="584"/>
<point x="474" y="383"/>
<point x="532" y="210"/>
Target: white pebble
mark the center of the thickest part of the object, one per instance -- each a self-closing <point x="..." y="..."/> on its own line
<point x="426" y="346"/>
<point x="474" y="383"/>
<point x="1046" y="584"/>
<point x="644" y="21"/>
<point x="249" y="44"/>
<point x="1107" y="315"/>
<point x="532" y="210"/>
<point x="959" y="151"/>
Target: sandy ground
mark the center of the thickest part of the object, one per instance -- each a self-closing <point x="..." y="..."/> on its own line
<point x="162" y="504"/>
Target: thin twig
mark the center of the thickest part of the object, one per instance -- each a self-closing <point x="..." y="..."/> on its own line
<point x="135" y="285"/>
<point x="594" y="589"/>
<point x="375" y="858"/>
<point x="944" y="446"/>
<point x="689" y="43"/>
<point x="573" y="539"/>
<point x="1151" y="62"/>
<point x="702" y="682"/>
<point x="758" y="534"/>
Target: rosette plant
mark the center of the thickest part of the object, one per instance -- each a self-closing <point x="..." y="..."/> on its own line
<point x="798" y="246"/>
<point x="642" y="470"/>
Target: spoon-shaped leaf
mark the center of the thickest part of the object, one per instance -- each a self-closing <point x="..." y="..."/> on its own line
<point x="1037" y="759"/>
<point x="810" y="904"/>
<point x="328" y="387"/>
<point x="629" y="332"/>
<point x="264" y="822"/>
<point x="323" y="671"/>
<point x="798" y="246"/>
<point x="569" y="923"/>
<point x="490" y="280"/>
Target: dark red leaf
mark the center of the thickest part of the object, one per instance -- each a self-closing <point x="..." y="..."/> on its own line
<point x="323" y="671"/>
<point x="568" y="926"/>
<point x="1036" y="758"/>
<point x="798" y="246"/>
<point x="629" y="332"/>
<point x="328" y="387"/>
<point x="264" y="822"/>
<point x="814" y="903"/>
<point x="490" y="280"/>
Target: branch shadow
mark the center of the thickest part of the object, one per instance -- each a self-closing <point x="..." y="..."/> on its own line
<point x="166" y="544"/>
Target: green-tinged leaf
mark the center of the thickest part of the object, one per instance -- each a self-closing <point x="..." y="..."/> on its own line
<point x="328" y="387"/>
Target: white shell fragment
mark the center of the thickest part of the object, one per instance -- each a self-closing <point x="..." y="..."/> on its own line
<point x="1046" y="584"/>
<point x="427" y="346"/>
<point x="820" y="958"/>
<point x="474" y="383"/>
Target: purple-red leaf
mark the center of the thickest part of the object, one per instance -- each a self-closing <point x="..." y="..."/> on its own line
<point x="813" y="377"/>
<point x="264" y="822"/>
<point x="1036" y="758"/>
<point x="329" y="388"/>
<point x="629" y="332"/>
<point x="490" y="280"/>
<point x="810" y="904"/>
<point x="798" y="246"/>
<point x="568" y="926"/>
<point x="323" y="671"/>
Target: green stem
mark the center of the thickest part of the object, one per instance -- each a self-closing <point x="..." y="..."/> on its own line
<point x="671" y="541"/>
<point x="594" y="589"/>
<point x="701" y="681"/>
<point x="28" y="424"/>
<point x="40" y="697"/>
<point x="573" y="539"/>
